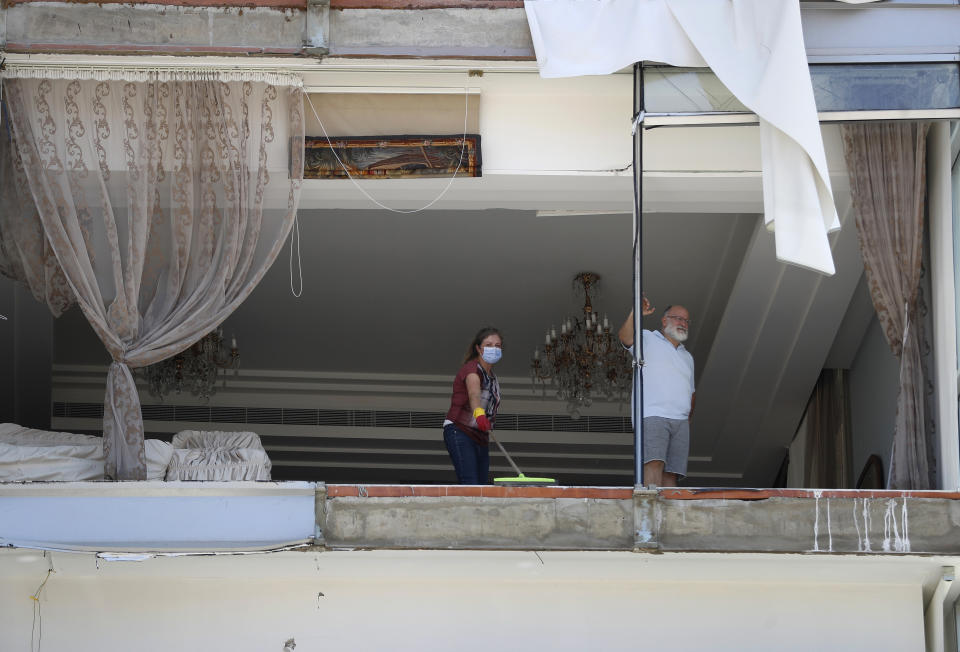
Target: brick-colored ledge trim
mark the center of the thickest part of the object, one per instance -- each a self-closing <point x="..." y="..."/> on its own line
<point x="426" y="4"/>
<point x="238" y="4"/>
<point x="763" y="494"/>
<point x="61" y="48"/>
<point x="301" y="4"/>
<point x="613" y="493"/>
<point x="484" y="491"/>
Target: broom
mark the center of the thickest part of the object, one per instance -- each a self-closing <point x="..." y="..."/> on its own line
<point x="520" y="479"/>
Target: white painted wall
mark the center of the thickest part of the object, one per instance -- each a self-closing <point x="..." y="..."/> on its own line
<point x="873" y="399"/>
<point x="533" y="125"/>
<point x="204" y="614"/>
<point x="456" y="601"/>
<point x="564" y="144"/>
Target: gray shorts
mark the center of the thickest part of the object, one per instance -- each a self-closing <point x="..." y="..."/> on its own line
<point x="667" y="440"/>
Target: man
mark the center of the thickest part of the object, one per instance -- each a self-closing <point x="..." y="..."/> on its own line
<point x="668" y="394"/>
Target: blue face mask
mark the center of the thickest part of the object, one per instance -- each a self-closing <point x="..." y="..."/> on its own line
<point x="492" y="354"/>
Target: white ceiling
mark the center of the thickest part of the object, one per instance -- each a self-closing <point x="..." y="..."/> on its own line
<point x="405" y="293"/>
<point x="391" y="293"/>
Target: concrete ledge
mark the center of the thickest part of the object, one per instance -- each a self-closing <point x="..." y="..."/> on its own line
<point x="848" y="524"/>
<point x="456" y="33"/>
<point x="153" y="28"/>
<point x="276" y="27"/>
<point x="213" y="516"/>
<point x="458" y="29"/>
<point x="479" y="523"/>
<point x="664" y="520"/>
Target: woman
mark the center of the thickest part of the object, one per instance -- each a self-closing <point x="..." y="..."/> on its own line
<point x="473" y="408"/>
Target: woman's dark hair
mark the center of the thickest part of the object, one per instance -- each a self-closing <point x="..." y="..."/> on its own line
<point x="477" y="340"/>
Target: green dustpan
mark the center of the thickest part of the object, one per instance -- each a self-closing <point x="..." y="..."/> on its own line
<point x="520" y="480"/>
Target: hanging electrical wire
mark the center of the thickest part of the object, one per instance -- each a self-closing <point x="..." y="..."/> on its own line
<point x="295" y="232"/>
<point x="36" y="629"/>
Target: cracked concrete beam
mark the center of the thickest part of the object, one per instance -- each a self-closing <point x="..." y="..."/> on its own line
<point x="115" y="28"/>
<point x="320" y="514"/>
<point x="314" y="29"/>
<point x="455" y="33"/>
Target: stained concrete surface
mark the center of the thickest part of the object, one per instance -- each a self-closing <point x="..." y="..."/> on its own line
<point x="853" y="523"/>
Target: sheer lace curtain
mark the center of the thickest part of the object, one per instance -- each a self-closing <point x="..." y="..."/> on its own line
<point x="25" y="254"/>
<point x="164" y="202"/>
<point x="886" y="164"/>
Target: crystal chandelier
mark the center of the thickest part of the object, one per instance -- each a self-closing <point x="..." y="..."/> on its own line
<point x="195" y="369"/>
<point x="585" y="359"/>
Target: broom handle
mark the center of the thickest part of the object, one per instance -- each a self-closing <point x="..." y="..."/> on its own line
<point x="506" y="454"/>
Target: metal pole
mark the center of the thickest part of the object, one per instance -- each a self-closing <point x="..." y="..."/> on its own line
<point x="638" y="116"/>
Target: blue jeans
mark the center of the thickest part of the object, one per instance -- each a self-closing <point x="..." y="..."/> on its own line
<point x="470" y="460"/>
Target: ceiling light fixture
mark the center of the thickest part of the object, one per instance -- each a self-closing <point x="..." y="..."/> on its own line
<point x="197" y="368"/>
<point x="585" y="359"/>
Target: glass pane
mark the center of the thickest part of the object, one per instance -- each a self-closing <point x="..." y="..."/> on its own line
<point x="836" y="87"/>
<point x="682" y="90"/>
<point x="877" y="87"/>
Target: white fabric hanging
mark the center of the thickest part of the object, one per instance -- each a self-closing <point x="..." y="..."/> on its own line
<point x="755" y="47"/>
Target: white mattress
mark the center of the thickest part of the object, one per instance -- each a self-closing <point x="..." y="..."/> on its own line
<point x="33" y="455"/>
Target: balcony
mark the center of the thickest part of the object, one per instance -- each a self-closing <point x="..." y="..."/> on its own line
<point x="184" y="517"/>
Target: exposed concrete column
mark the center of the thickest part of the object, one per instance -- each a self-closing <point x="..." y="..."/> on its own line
<point x="316" y="37"/>
<point x="647" y="517"/>
<point x="320" y="514"/>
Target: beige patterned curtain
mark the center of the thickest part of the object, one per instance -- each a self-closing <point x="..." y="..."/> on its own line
<point x="828" y="443"/>
<point x="25" y="254"/>
<point x="164" y="202"/>
<point x="886" y="163"/>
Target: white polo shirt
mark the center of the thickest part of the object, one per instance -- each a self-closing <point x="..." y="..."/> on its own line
<point x="667" y="377"/>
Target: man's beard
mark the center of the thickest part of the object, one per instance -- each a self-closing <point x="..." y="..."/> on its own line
<point x="677" y="333"/>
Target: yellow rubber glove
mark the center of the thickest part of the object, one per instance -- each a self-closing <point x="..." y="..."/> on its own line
<point x="483" y="423"/>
